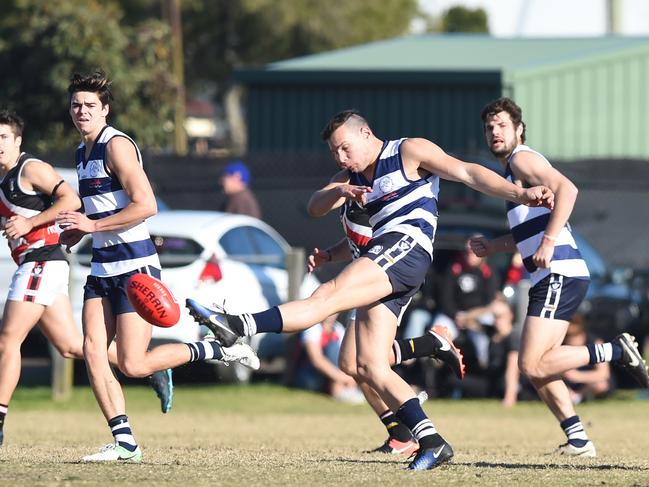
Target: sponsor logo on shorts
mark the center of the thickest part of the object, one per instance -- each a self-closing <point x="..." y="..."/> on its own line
<point x="376" y="250"/>
<point x="555" y="285"/>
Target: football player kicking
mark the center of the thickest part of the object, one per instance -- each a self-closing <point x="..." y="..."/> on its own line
<point x="437" y="343"/>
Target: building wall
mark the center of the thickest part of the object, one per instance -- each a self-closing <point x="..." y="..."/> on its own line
<point x="590" y="108"/>
<point x="286" y="111"/>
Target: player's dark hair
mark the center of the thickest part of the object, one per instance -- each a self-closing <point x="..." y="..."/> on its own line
<point x="14" y="121"/>
<point x="96" y="82"/>
<point x="508" y="105"/>
<point x="339" y="119"/>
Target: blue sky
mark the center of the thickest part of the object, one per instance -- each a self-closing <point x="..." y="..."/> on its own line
<point x="556" y="18"/>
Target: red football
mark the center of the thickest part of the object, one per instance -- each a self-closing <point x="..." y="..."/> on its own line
<point x="152" y="300"/>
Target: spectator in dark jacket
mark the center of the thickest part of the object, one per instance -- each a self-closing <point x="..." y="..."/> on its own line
<point x="235" y="180"/>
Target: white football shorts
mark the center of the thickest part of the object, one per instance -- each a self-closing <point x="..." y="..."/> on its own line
<point x="40" y="282"/>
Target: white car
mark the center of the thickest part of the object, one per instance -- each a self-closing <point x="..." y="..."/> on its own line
<point x="231" y="260"/>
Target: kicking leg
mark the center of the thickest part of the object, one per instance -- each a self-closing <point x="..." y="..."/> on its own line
<point x="361" y="282"/>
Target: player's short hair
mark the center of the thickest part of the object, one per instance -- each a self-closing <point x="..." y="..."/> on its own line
<point x="508" y="105"/>
<point x="14" y="121"/>
<point x="339" y="119"/>
<point x="96" y="82"/>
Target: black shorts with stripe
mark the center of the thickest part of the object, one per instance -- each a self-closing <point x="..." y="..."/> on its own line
<point x="114" y="289"/>
<point x="557" y="297"/>
<point x="406" y="264"/>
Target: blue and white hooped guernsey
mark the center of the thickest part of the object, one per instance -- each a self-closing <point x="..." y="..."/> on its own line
<point x="528" y="225"/>
<point x="398" y="204"/>
<point x="113" y="252"/>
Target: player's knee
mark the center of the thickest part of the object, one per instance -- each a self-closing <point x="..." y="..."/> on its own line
<point x="324" y="290"/>
<point x="363" y="372"/>
<point x="370" y="373"/>
<point x="71" y="353"/>
<point x="69" y="350"/>
<point x="326" y="297"/>
<point x="348" y="366"/>
<point x="531" y="369"/>
<point x="133" y="368"/>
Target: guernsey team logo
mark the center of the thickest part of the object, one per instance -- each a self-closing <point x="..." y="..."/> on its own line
<point x="386" y="184"/>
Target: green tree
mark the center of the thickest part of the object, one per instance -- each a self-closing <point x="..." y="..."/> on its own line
<point x="46" y="42"/>
<point x="223" y="34"/>
<point x="461" y="19"/>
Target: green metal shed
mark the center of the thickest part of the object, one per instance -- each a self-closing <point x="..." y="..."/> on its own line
<point x="581" y="97"/>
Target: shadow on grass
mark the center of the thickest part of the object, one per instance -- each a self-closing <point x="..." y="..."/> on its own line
<point x="522" y="466"/>
<point x="549" y="466"/>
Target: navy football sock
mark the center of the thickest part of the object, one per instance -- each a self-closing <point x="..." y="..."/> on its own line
<point x="122" y="433"/>
<point x="412" y="415"/>
<point x="574" y="431"/>
<point x="396" y="429"/>
<point x="263" y="322"/>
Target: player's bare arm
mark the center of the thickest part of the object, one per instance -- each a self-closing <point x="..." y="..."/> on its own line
<point x="483" y="247"/>
<point x="123" y="162"/>
<point x="41" y="177"/>
<point x="423" y="154"/>
<point x="334" y="194"/>
<point x="338" y="252"/>
<point x="533" y="169"/>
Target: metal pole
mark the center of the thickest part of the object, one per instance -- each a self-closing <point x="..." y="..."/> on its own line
<point x="172" y="11"/>
<point x="522" y="300"/>
<point x="62" y="368"/>
<point x="295" y="266"/>
<point x="295" y="259"/>
<point x="62" y="375"/>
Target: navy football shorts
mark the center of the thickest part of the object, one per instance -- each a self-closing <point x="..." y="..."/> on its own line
<point x="114" y="288"/>
<point x="406" y="264"/>
<point x="557" y="297"/>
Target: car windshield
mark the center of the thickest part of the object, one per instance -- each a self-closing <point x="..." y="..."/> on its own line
<point x="253" y="246"/>
<point x="176" y="251"/>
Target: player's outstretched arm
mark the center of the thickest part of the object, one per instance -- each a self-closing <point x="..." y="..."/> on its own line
<point x="336" y="253"/>
<point x="483" y="247"/>
<point x="334" y="194"/>
<point x="433" y="159"/>
<point x="42" y="178"/>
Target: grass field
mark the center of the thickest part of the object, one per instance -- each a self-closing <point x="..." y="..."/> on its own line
<point x="267" y="435"/>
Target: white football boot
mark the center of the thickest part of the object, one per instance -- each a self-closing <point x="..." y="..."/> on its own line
<point x="241" y="353"/>
<point x="115" y="453"/>
<point x="588" y="450"/>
